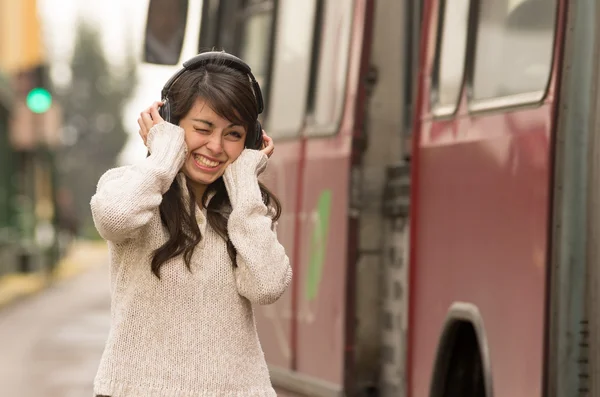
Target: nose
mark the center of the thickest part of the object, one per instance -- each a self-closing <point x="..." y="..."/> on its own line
<point x="215" y="143"/>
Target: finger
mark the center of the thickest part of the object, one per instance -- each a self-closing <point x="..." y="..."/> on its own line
<point x="155" y="105"/>
<point x="270" y="152"/>
<point x="271" y="144"/>
<point x="144" y="112"/>
<point x="147" y="120"/>
<point x="143" y="130"/>
<point x="269" y="147"/>
<point x="155" y="115"/>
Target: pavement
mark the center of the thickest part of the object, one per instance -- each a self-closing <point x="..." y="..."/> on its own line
<point x="54" y="328"/>
<point x="81" y="256"/>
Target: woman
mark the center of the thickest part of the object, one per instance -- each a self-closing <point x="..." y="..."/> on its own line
<point x="192" y="239"/>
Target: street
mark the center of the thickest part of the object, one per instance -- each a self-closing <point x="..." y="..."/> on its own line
<point x="51" y="342"/>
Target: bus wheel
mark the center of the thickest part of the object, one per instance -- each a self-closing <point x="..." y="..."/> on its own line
<point x="465" y="369"/>
<point x="459" y="368"/>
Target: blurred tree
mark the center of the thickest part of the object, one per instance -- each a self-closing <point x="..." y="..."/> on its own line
<point x="94" y="134"/>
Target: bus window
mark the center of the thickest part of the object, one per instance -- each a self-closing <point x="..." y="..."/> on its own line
<point x="243" y="28"/>
<point x="330" y="82"/>
<point x="209" y="26"/>
<point x="291" y="66"/>
<point x="315" y="56"/>
<point x="165" y="30"/>
<point x="451" y="50"/>
<point x="256" y="40"/>
<point x="414" y="21"/>
<point x="515" y="40"/>
<point x="219" y="29"/>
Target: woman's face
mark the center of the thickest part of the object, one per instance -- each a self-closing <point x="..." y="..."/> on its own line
<point x="213" y="143"/>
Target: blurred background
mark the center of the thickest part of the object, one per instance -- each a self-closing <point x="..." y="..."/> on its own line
<point x="69" y="79"/>
<point x="68" y="74"/>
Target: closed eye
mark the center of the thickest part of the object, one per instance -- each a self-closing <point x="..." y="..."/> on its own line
<point x="202" y="130"/>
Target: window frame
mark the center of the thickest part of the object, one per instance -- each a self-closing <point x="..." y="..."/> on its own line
<point x="314" y="130"/>
<point x="209" y="25"/>
<point x="520" y="100"/>
<point x="313" y="59"/>
<point x="144" y="47"/>
<point x="248" y="10"/>
<point x="446" y="111"/>
<point x="236" y="13"/>
<point x="414" y="24"/>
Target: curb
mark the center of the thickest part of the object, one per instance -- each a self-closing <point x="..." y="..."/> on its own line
<point x="82" y="255"/>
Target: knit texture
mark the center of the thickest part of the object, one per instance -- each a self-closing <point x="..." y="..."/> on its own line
<point x="191" y="333"/>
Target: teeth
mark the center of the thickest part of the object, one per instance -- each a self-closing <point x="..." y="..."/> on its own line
<point x="205" y="161"/>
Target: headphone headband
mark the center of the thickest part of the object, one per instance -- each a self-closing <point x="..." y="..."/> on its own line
<point x="222" y="58"/>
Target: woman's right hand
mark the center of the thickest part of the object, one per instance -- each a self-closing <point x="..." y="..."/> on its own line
<point x="149" y="118"/>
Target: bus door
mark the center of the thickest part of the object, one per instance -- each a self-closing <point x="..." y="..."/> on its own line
<point x="482" y="197"/>
<point x="313" y="79"/>
<point x="323" y="334"/>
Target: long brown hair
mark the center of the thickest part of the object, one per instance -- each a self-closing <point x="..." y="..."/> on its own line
<point x="230" y="95"/>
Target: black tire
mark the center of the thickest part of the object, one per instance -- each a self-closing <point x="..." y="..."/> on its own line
<point x="465" y="369"/>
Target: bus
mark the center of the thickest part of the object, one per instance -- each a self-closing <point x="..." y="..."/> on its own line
<point x="438" y="173"/>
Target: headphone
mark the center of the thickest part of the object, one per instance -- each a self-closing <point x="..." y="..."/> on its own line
<point x="221" y="58"/>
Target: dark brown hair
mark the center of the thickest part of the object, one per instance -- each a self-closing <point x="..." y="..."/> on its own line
<point x="229" y="93"/>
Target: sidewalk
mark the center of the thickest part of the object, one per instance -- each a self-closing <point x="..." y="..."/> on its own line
<point x="81" y="256"/>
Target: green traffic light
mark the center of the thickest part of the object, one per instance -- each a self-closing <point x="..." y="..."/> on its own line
<point x="39" y="100"/>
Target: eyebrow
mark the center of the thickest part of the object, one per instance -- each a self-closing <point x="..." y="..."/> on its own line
<point x="210" y="124"/>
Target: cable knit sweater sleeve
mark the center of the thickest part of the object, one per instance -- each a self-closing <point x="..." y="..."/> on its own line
<point x="263" y="270"/>
<point x="127" y="197"/>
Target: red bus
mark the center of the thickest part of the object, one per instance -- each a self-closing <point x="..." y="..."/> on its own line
<point x="437" y="172"/>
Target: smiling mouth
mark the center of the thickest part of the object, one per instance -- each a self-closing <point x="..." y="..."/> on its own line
<point x="204" y="162"/>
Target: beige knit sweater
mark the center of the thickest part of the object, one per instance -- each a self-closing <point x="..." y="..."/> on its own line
<point x="189" y="334"/>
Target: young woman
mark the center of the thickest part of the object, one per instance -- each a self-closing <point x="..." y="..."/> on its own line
<point x="192" y="239"/>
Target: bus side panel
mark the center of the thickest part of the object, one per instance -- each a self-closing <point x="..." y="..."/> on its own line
<point x="322" y="294"/>
<point x="274" y="321"/>
<point x="324" y="342"/>
<point x="480" y="230"/>
<point x="482" y="225"/>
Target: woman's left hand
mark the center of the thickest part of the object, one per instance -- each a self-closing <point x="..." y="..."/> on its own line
<point x="268" y="146"/>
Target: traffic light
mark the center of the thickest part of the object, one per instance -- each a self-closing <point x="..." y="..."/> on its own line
<point x="35" y="88"/>
<point x="36" y="117"/>
<point x="39" y="100"/>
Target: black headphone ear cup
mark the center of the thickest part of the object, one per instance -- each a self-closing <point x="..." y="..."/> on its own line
<point x="259" y="136"/>
<point x="165" y="111"/>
